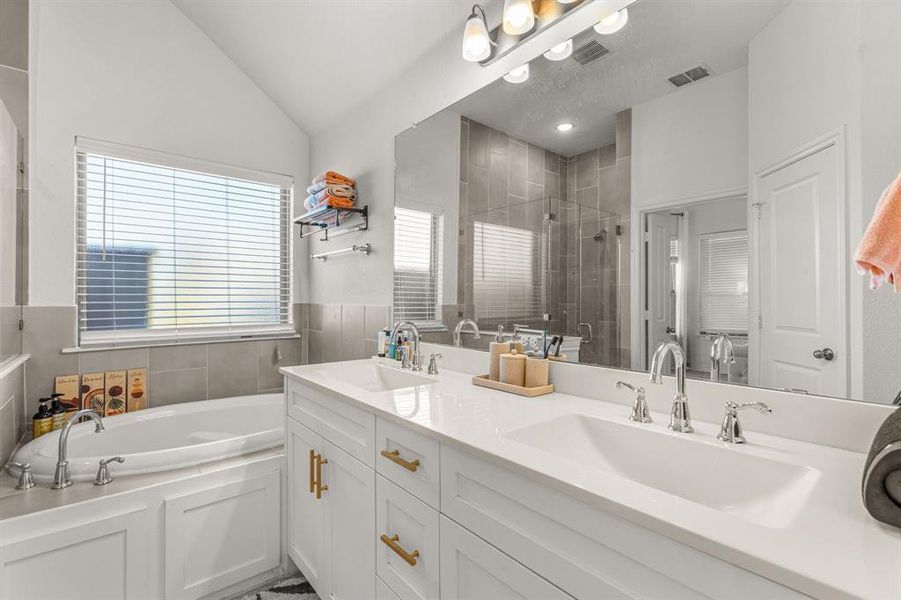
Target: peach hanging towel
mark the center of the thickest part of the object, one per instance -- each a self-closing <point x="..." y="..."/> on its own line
<point x="879" y="252"/>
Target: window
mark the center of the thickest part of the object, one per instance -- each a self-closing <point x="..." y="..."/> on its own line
<point x="169" y="248"/>
<point x="418" y="267"/>
<point x="724" y="282"/>
<point x="506" y="281"/>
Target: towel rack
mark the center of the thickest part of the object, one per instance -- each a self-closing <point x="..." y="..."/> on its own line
<point x="323" y="256"/>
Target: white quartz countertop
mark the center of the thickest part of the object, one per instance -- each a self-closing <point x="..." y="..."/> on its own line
<point x="824" y="545"/>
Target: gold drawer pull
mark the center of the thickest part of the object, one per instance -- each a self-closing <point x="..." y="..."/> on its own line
<point x="394" y="456"/>
<point x="392" y="542"/>
<point x="312" y="478"/>
<point x="319" y="487"/>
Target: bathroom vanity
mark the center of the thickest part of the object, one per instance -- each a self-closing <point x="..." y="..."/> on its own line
<point x="404" y="485"/>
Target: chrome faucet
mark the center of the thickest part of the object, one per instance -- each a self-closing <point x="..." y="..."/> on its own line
<point x="61" y="477"/>
<point x="722" y="350"/>
<point x="679" y="419"/>
<point x="458" y="341"/>
<point x="416" y="359"/>
<point x="640" y="412"/>
<point x="731" y="430"/>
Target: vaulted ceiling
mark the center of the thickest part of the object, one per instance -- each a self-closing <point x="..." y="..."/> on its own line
<point x="317" y="59"/>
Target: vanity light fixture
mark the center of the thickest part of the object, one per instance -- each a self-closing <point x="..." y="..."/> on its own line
<point x="612" y="23"/>
<point x="518" y="16"/>
<point x="560" y="51"/>
<point x="476" y="41"/>
<point x="518" y="75"/>
<point x="565" y="126"/>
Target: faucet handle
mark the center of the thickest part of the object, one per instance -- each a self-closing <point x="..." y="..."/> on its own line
<point x="26" y="478"/>
<point x="640" y="412"/>
<point x="731" y="430"/>
<point x="103" y="476"/>
<point x="433" y="363"/>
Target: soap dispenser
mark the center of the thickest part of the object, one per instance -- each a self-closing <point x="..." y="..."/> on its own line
<point x="57" y="412"/>
<point x="42" y="421"/>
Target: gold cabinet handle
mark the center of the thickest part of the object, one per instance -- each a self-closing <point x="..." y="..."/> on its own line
<point x="394" y="456"/>
<point x="392" y="542"/>
<point x="312" y="479"/>
<point x="319" y="487"/>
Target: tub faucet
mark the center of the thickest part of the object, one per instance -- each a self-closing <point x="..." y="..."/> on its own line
<point x="679" y="418"/>
<point x="61" y="477"/>
<point x="458" y="330"/>
<point x="416" y="359"/>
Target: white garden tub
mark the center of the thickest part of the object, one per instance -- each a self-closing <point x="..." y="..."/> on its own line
<point x="164" y="438"/>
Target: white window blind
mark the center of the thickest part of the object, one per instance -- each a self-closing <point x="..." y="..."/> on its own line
<point x="176" y="253"/>
<point x="724" y="282"/>
<point x="418" y="266"/>
<point x="506" y="281"/>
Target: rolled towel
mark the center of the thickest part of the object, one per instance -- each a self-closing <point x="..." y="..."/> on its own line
<point x="335" y="189"/>
<point x="879" y="252"/>
<point x="333" y="177"/>
<point x="882" y="473"/>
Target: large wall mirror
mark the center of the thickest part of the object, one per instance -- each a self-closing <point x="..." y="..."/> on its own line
<point x="699" y="175"/>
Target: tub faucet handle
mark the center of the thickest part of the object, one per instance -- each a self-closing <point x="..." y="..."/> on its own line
<point x="26" y="479"/>
<point x="103" y="476"/>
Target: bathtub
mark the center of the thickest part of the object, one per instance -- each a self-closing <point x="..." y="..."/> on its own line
<point x="164" y="438"/>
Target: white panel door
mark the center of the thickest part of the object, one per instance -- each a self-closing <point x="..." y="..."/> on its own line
<point x="222" y="536"/>
<point x="803" y="320"/>
<point x="660" y="302"/>
<point x="104" y="558"/>
<point x="349" y="515"/>
<point x="306" y="529"/>
<point x="472" y="569"/>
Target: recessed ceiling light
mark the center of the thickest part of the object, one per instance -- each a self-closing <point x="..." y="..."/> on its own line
<point x="518" y="75"/>
<point x="564" y="126"/>
<point x="612" y="23"/>
<point x="560" y="51"/>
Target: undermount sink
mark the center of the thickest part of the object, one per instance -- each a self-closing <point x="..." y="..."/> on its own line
<point x="380" y="378"/>
<point x="766" y="491"/>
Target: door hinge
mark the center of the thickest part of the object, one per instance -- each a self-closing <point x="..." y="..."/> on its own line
<point x="645" y="237"/>
<point x="759" y="206"/>
<point x="21" y="324"/>
<point x="759" y="321"/>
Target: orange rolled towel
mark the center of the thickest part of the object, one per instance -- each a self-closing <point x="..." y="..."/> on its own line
<point x="333" y="177"/>
<point x="879" y="252"/>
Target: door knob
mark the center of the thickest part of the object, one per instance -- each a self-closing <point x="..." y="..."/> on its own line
<point x="825" y="354"/>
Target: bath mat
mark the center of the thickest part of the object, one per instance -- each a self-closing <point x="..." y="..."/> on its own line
<point x="295" y="588"/>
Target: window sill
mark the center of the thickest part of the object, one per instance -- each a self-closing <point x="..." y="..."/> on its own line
<point x="191" y="342"/>
<point x="12" y="363"/>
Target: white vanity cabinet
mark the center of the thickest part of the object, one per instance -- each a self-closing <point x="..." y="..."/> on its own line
<point x="331" y="504"/>
<point x="408" y="517"/>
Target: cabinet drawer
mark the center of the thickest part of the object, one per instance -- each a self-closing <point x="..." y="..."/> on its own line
<point x="405" y="525"/>
<point x="409" y="459"/>
<point x="348" y="427"/>
<point x="584" y="550"/>
<point x="474" y="570"/>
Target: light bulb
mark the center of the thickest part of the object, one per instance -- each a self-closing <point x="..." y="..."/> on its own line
<point x="564" y="126"/>
<point x="566" y="1"/>
<point x="518" y="16"/>
<point x="612" y="23"/>
<point x="560" y="51"/>
<point x="476" y="43"/>
<point x="518" y="75"/>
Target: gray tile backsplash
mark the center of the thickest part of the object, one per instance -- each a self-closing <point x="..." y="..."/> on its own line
<point x="345" y="332"/>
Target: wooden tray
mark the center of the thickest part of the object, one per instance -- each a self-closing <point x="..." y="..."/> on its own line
<point x="483" y="381"/>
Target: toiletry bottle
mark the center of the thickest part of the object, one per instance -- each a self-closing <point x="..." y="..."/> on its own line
<point x="400" y="344"/>
<point x="58" y="412"/>
<point x="42" y="421"/>
<point x="391" y="351"/>
<point x="380" y="345"/>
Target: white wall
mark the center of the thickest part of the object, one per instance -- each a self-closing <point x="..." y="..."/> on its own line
<point x="428" y="176"/>
<point x="137" y="73"/>
<point x="362" y="145"/>
<point x="847" y="75"/>
<point x="693" y="142"/>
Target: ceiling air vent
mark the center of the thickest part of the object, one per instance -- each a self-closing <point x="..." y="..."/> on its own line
<point x="589" y="52"/>
<point x="680" y="79"/>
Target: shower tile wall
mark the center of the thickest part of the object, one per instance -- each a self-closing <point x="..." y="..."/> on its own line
<point x="512" y="182"/>
<point x="503" y="181"/>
